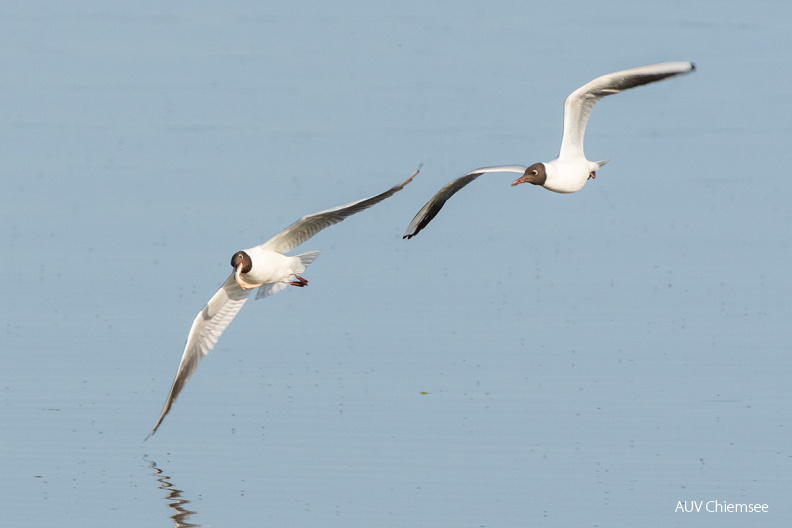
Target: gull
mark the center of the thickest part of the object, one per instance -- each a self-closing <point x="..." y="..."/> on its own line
<point x="570" y="171"/>
<point x="267" y="268"/>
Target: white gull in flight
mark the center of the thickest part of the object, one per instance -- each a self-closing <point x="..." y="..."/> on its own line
<point x="570" y="170"/>
<point x="264" y="267"/>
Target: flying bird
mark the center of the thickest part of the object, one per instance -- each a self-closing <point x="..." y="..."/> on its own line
<point x="570" y="171"/>
<point x="266" y="268"/>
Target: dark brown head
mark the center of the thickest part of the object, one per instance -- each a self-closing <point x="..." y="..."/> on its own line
<point x="240" y="257"/>
<point x="535" y="175"/>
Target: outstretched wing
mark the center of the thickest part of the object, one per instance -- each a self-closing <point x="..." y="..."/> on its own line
<point x="433" y="206"/>
<point x="204" y="333"/>
<point x="309" y="225"/>
<point x="578" y="105"/>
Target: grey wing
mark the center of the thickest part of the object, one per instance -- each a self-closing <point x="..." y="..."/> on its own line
<point x="309" y="225"/>
<point x="204" y="333"/>
<point x="433" y="206"/>
<point x="578" y="105"/>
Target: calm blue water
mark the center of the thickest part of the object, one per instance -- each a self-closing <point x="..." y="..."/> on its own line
<point x="530" y="359"/>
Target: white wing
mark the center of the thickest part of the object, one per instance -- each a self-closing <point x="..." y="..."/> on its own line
<point x="309" y="225"/>
<point x="578" y="105"/>
<point x="433" y="206"/>
<point x="205" y="330"/>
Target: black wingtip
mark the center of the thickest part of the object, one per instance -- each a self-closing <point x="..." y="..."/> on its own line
<point x="151" y="433"/>
<point x="692" y="66"/>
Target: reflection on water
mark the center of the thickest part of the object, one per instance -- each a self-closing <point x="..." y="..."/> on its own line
<point x="180" y="515"/>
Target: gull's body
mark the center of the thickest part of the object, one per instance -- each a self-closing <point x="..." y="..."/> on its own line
<point x="570" y="171"/>
<point x="265" y="267"/>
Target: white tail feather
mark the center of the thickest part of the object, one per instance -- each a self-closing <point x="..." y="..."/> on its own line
<point x="305" y="259"/>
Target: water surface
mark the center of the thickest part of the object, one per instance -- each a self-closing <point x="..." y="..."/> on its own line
<point x="530" y="359"/>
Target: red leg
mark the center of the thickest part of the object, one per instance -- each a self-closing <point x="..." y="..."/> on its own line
<point x="300" y="282"/>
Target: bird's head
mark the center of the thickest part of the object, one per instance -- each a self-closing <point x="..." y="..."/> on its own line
<point x="241" y="262"/>
<point x="535" y="175"/>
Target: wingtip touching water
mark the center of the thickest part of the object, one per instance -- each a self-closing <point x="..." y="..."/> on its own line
<point x="264" y="267"/>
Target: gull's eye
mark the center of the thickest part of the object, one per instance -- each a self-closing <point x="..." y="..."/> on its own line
<point x="534" y="172"/>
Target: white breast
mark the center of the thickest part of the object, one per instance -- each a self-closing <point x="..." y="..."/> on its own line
<point x="568" y="176"/>
<point x="268" y="266"/>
